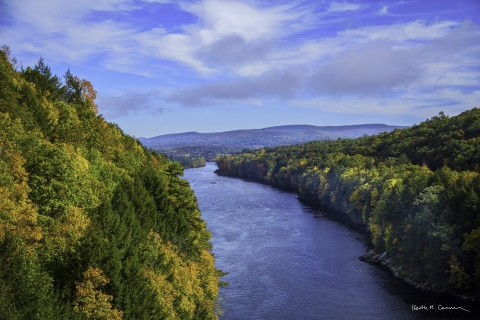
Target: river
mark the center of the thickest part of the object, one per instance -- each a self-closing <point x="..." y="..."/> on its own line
<point x="286" y="260"/>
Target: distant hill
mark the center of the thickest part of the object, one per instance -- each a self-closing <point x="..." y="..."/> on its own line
<point x="417" y="190"/>
<point x="209" y="145"/>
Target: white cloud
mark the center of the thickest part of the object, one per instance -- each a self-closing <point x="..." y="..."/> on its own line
<point x="124" y="104"/>
<point x="52" y="15"/>
<point x="383" y="11"/>
<point x="220" y="22"/>
<point x="156" y="1"/>
<point x="361" y="64"/>
<point x="412" y="31"/>
<point x="64" y="33"/>
<point x="264" y="51"/>
<point x="85" y="30"/>
<point x="366" y="68"/>
<point x="234" y="51"/>
<point x="343" y="6"/>
<point x="224" y="18"/>
<point x="175" y="47"/>
<point x="278" y="83"/>
<point x="408" y="103"/>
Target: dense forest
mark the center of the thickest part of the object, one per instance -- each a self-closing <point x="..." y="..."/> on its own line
<point x="187" y="160"/>
<point x="416" y="189"/>
<point x="92" y="224"/>
<point x="189" y="147"/>
<point x="196" y="152"/>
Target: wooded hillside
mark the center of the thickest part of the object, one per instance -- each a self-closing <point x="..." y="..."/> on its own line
<point x="210" y="145"/>
<point x="92" y="224"/>
<point x="417" y="190"/>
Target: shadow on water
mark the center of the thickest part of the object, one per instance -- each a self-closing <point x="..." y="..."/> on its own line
<point x="428" y="304"/>
<point x="289" y="260"/>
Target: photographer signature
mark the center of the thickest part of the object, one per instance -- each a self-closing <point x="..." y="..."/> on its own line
<point x="439" y="307"/>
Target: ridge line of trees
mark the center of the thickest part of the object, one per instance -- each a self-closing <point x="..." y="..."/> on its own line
<point x="416" y="189"/>
<point x="92" y="224"/>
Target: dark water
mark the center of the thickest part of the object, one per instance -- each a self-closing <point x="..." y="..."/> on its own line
<point x="288" y="261"/>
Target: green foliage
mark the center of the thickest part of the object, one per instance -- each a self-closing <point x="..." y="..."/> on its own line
<point x="417" y="190"/>
<point x="79" y="204"/>
<point x="188" y="161"/>
<point x="211" y="145"/>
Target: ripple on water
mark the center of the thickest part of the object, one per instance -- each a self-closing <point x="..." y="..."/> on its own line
<point x="287" y="261"/>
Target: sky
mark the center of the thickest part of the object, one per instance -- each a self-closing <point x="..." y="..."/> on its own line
<point x="166" y="66"/>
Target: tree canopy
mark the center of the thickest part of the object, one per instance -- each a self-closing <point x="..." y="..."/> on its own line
<point x="92" y="224"/>
<point x="416" y="189"/>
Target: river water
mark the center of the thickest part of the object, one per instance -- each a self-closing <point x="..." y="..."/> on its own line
<point x="288" y="261"/>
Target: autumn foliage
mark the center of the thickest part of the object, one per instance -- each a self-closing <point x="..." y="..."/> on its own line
<point x="416" y="190"/>
<point x="92" y="224"/>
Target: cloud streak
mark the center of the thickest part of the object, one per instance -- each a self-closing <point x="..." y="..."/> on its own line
<point x="374" y="62"/>
<point x="366" y="68"/>
<point x="277" y="83"/>
<point x="127" y="103"/>
<point x="87" y="30"/>
<point x="236" y="51"/>
<point x="343" y="6"/>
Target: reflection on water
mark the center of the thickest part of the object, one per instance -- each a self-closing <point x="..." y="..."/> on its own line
<point x="288" y="261"/>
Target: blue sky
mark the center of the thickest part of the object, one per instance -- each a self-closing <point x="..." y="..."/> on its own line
<point x="165" y="66"/>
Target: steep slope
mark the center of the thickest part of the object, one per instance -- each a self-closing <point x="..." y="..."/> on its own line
<point x="92" y="224"/>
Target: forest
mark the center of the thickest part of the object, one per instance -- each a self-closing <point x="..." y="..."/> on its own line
<point x="189" y="147"/>
<point x="188" y="161"/>
<point x="92" y="224"/>
<point x="417" y="190"/>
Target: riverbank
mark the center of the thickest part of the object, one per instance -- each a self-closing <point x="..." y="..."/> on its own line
<point x="381" y="259"/>
<point x="371" y="256"/>
<point x="384" y="261"/>
<point x="289" y="260"/>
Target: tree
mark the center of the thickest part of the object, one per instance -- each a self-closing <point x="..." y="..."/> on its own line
<point x="78" y="200"/>
<point x="91" y="301"/>
<point x="88" y="92"/>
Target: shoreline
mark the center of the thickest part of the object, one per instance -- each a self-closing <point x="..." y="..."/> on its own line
<point x="379" y="260"/>
<point x="382" y="260"/>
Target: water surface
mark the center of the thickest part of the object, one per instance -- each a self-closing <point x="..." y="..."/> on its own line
<point x="288" y="261"/>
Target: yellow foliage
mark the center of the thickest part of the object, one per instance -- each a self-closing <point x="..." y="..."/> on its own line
<point x="458" y="276"/>
<point x="166" y="293"/>
<point x="389" y="237"/>
<point x="67" y="231"/>
<point x="91" y="301"/>
<point x="51" y="110"/>
<point x="181" y="285"/>
<point x="88" y="93"/>
<point x="375" y="229"/>
<point x="18" y="215"/>
<point x="58" y="163"/>
<point x="373" y="198"/>
<point x="390" y="184"/>
<point x="63" y="234"/>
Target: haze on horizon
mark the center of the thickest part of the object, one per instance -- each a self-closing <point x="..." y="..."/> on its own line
<point x="162" y="66"/>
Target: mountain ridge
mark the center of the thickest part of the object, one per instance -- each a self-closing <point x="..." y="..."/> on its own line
<point x="264" y="137"/>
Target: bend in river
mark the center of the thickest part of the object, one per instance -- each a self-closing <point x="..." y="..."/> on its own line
<point x="288" y="261"/>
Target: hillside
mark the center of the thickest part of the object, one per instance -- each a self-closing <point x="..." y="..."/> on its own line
<point x="209" y="145"/>
<point x="417" y="190"/>
<point x="92" y="224"/>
